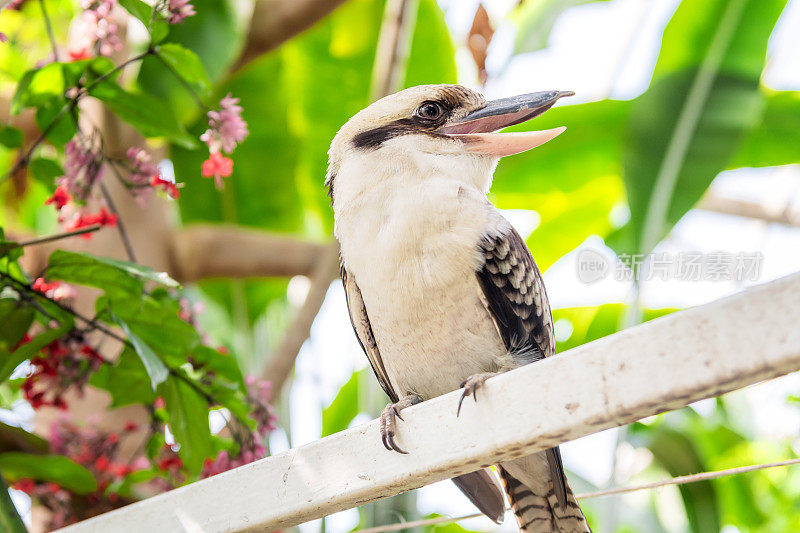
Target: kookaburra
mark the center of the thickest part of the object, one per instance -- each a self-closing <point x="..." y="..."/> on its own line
<point x="442" y="291"/>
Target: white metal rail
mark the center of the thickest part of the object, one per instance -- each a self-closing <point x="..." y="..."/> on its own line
<point x="655" y="367"/>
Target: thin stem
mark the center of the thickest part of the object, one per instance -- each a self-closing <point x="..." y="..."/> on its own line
<point x="104" y="77"/>
<point x="55" y="237"/>
<point x="120" y="226"/>
<point x="183" y="82"/>
<point x="49" y="27"/>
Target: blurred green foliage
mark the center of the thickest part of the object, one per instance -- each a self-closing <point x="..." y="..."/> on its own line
<point x="705" y="111"/>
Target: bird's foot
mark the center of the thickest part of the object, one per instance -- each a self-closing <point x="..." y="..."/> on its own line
<point x="389" y="418"/>
<point x="471" y="386"/>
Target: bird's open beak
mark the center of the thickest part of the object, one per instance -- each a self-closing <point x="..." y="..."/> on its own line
<point x="478" y="129"/>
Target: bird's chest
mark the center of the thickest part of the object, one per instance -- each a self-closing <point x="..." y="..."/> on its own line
<point x="415" y="262"/>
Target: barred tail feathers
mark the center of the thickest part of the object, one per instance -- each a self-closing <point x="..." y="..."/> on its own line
<point x="533" y="499"/>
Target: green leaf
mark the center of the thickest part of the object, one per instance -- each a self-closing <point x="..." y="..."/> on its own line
<point x="221" y="364"/>
<point x="155" y="367"/>
<point x="116" y="278"/>
<point x="214" y="35"/>
<point x="591" y="148"/>
<point x="55" y="468"/>
<point x="157" y="326"/>
<point x="431" y="58"/>
<point x="15" y="319"/>
<point x="775" y="140"/>
<point x="18" y="101"/>
<point x="188" y="421"/>
<point x="144" y="13"/>
<point x="10" y="137"/>
<point x="344" y="407"/>
<point x="703" y="100"/>
<point x="138" y="9"/>
<point x="38" y="87"/>
<point x="45" y="170"/>
<point x="677" y="454"/>
<point x="127" y="380"/>
<point x="535" y="21"/>
<point x="143" y="111"/>
<point x="186" y="64"/>
<point x="29" y="349"/>
<point x="592" y="323"/>
<point x="60" y="125"/>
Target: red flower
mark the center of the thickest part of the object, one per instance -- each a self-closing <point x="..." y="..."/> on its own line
<point x="218" y="166"/>
<point x="170" y="188"/>
<point x="159" y="403"/>
<point x="172" y="462"/>
<point x="60" y="198"/>
<point x="78" y="55"/>
<point x="102" y="463"/>
<point x="25" y="485"/>
<point x="104" y="218"/>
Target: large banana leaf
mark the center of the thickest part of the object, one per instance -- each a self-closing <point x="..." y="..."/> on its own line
<point x="703" y="100"/>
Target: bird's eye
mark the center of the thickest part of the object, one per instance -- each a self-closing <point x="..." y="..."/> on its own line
<point x="429" y="110"/>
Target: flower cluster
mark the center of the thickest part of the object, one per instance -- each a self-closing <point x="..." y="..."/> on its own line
<point x="83" y="169"/>
<point x="252" y="449"/>
<point x="98" y="27"/>
<point x="178" y="10"/>
<point x="62" y="365"/>
<point x="226" y="130"/>
<point x="98" y="451"/>
<point x="259" y="394"/>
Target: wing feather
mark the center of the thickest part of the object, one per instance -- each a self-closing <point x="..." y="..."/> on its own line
<point x="514" y="295"/>
<point x="363" y="329"/>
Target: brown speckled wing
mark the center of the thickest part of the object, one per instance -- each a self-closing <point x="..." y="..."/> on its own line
<point x="514" y="293"/>
<point x="363" y="329"/>
<point x="515" y="296"/>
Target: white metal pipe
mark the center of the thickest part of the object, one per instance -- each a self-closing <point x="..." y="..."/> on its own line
<point x="655" y="367"/>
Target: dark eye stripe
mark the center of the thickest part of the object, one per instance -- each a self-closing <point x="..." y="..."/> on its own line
<point x="375" y="137"/>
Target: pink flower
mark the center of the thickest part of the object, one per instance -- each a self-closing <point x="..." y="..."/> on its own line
<point x="99" y="27"/>
<point x="219" y="166"/>
<point x="142" y="167"/>
<point x="177" y="10"/>
<point x="226" y="127"/>
<point x="82" y="170"/>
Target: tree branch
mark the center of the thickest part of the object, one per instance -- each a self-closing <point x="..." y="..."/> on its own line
<point x="394" y="44"/>
<point x="212" y="251"/>
<point x="282" y="361"/>
<point x="276" y="21"/>
<point x="748" y="209"/>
